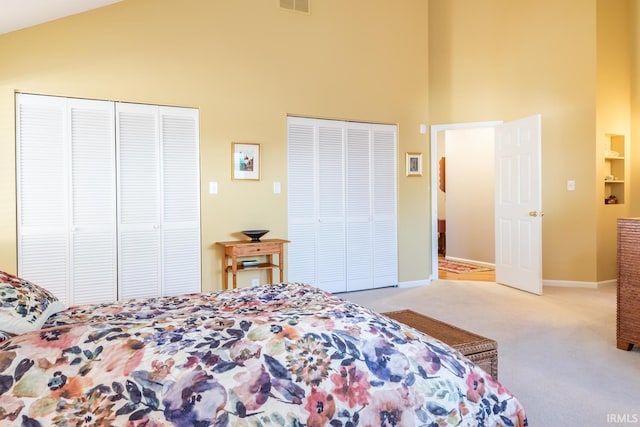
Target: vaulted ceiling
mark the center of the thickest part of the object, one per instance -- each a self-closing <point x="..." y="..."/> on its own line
<point x="18" y="14"/>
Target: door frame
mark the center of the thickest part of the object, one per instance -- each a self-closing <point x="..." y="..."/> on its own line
<point x="435" y="129"/>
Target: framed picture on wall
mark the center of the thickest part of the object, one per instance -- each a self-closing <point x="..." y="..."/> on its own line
<point x="245" y="161"/>
<point x="414" y="164"/>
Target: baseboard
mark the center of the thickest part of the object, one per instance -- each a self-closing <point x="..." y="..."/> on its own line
<point x="574" y="284"/>
<point x="551" y="283"/>
<point x="413" y="284"/>
<point x="470" y="261"/>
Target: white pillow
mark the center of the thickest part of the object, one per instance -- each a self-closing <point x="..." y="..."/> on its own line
<point x="24" y="306"/>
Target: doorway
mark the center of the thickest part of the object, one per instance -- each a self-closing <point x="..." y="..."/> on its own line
<point x="462" y="201"/>
<point x="518" y="201"/>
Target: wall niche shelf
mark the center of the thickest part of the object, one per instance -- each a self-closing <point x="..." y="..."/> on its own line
<point x="614" y="169"/>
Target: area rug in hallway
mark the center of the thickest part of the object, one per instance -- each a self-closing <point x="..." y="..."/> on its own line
<point x="459" y="267"/>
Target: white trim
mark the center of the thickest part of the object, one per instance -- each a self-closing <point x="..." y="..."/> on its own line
<point x="414" y="283"/>
<point x="575" y="284"/>
<point x="471" y="261"/>
<point x="434" y="181"/>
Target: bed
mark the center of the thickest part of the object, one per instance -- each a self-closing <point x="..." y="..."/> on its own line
<point x="286" y="354"/>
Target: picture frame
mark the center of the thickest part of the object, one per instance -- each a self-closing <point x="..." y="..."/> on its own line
<point x="414" y="164"/>
<point x="245" y="161"/>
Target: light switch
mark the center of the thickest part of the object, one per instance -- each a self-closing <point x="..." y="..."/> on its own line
<point x="423" y="128"/>
<point x="276" y="187"/>
<point x="571" y="185"/>
<point x="213" y="187"/>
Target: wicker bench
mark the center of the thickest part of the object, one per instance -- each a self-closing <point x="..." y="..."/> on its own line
<point x="480" y="350"/>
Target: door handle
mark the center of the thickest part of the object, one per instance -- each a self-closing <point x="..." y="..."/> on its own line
<point x="536" y="213"/>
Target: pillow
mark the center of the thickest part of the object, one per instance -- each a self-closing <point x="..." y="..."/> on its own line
<point x="24" y="306"/>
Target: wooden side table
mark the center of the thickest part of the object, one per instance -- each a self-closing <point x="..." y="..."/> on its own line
<point x="248" y="248"/>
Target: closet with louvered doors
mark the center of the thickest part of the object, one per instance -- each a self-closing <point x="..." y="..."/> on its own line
<point x="342" y="204"/>
<point x="108" y="198"/>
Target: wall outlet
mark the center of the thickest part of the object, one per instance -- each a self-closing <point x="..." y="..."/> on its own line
<point x="255" y="282"/>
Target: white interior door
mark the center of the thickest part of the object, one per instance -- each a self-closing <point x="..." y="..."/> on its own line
<point x="66" y="196"/>
<point x="518" y="209"/>
<point x="139" y="238"/>
<point x="359" y="242"/>
<point x="92" y="215"/>
<point x="332" y="268"/>
<point x="180" y="201"/>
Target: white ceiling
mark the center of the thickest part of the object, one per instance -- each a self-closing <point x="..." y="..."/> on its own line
<point x="18" y="14"/>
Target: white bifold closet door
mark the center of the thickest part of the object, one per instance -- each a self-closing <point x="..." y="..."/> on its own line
<point x="108" y="198"/>
<point x="65" y="156"/>
<point x="158" y="200"/>
<point x="342" y="204"/>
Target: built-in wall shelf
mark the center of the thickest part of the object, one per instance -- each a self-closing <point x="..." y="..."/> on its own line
<point x="614" y="170"/>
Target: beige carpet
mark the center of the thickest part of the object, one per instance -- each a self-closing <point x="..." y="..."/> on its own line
<point x="557" y="352"/>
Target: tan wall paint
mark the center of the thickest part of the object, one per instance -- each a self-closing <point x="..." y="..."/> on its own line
<point x="501" y="60"/>
<point x="634" y="161"/>
<point x="613" y="117"/>
<point x="470" y="212"/>
<point x="246" y="64"/>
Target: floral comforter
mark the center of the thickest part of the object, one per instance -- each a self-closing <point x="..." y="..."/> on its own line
<point x="278" y="355"/>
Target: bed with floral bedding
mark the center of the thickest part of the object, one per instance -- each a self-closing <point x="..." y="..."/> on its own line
<point x="285" y="354"/>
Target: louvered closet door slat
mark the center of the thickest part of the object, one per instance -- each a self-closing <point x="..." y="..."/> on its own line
<point x="93" y="208"/>
<point x="181" y="261"/>
<point x="181" y="201"/>
<point x="138" y="157"/>
<point x="44" y="261"/>
<point x="140" y="265"/>
<point x="301" y="259"/>
<point x="302" y="170"/>
<point x="42" y="201"/>
<point x="94" y="267"/>
<point x="331" y="207"/>
<point x="385" y="206"/>
<point x="302" y="254"/>
<point x="137" y="143"/>
<point x="358" y="198"/>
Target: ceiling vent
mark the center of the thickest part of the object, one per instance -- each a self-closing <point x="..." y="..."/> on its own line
<point x="302" y="6"/>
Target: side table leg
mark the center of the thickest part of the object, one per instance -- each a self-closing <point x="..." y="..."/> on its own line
<point x="270" y="270"/>
<point x="234" y="269"/>
<point x="225" y="276"/>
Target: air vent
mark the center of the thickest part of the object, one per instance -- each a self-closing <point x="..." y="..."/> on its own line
<point x="302" y="6"/>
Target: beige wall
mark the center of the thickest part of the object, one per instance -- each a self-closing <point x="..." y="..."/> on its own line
<point x="634" y="161"/>
<point x="501" y="60"/>
<point x="246" y="64"/>
<point x="470" y="199"/>
<point x="613" y="117"/>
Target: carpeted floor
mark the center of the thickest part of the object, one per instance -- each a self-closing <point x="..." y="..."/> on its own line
<point x="557" y="352"/>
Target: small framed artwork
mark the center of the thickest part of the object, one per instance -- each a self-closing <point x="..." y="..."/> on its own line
<point x="245" y="161"/>
<point x="414" y="164"/>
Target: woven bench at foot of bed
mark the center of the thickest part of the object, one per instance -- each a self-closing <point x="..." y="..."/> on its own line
<point x="480" y="350"/>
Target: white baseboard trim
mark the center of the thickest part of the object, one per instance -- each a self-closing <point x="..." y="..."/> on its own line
<point x="413" y="284"/>
<point x="551" y="283"/>
<point x="574" y="284"/>
<point x="470" y="261"/>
